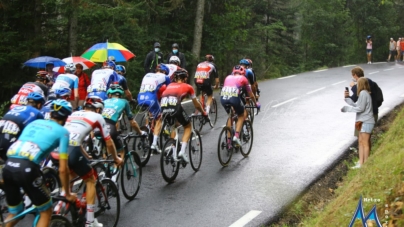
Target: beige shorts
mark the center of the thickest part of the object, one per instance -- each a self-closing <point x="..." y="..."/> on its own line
<point x="376" y="116"/>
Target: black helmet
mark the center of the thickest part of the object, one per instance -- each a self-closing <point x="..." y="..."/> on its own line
<point x="181" y="74"/>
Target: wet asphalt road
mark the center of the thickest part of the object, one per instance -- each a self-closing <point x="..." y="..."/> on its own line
<point x="299" y="133"/>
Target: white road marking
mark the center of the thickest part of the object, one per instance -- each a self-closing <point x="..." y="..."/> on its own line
<point x="339" y="82"/>
<point x="246" y="218"/>
<point x="383" y="110"/>
<point x="186" y="101"/>
<point x="286" y="77"/>
<point x="322" y="70"/>
<point x="388" y="69"/>
<point x="279" y="104"/>
<point x="310" y="92"/>
<point x="348" y="66"/>
<point x="378" y="63"/>
<point x="373" y="72"/>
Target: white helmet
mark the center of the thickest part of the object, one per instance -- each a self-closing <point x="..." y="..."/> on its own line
<point x="175" y="60"/>
<point x="70" y="68"/>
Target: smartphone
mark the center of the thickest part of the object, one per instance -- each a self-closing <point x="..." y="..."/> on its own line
<point x="346" y="89"/>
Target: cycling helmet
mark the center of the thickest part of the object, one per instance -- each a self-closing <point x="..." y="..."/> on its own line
<point x="109" y="64"/>
<point x="121" y="68"/>
<point x="244" y="62"/>
<point x="238" y="69"/>
<point x="111" y="58"/>
<point x="42" y="75"/>
<point x="115" y="89"/>
<point x="175" y="60"/>
<point x="70" y="68"/>
<point x="249" y="61"/>
<point x="163" y="68"/>
<point x="37" y="97"/>
<point x="61" y="92"/>
<point x="181" y="74"/>
<point x="61" y="107"/>
<point x="209" y="57"/>
<point x="95" y="102"/>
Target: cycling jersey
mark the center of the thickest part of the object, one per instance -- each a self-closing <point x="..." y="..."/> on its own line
<point x="203" y="73"/>
<point x="172" y="68"/>
<point x="21" y="97"/>
<point x="66" y="81"/>
<point x="230" y="94"/>
<point x="46" y="109"/>
<point x="150" y="90"/>
<point x="12" y="124"/>
<point x="38" y="139"/>
<point x="100" y="81"/>
<point x="81" y="123"/>
<point x="122" y="82"/>
<point x="114" y="107"/>
<point x="249" y="74"/>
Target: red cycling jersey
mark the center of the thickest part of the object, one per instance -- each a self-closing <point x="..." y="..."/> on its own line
<point x="175" y="92"/>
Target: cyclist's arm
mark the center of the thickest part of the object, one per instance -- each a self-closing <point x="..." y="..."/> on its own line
<point x="104" y="129"/>
<point x="84" y="152"/>
<point x="195" y="101"/>
<point x="249" y="91"/>
<point x="63" y="166"/>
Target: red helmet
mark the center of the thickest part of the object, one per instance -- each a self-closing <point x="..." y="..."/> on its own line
<point x="238" y="69"/>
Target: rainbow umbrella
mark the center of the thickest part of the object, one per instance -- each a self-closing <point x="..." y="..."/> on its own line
<point x="101" y="51"/>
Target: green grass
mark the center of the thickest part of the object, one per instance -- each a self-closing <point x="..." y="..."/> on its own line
<point x="381" y="178"/>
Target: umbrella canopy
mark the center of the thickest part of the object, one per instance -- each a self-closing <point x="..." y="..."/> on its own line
<point x="40" y="62"/>
<point x="101" y="51"/>
<point x="75" y="60"/>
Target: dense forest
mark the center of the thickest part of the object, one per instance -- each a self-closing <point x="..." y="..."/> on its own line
<point x="280" y="36"/>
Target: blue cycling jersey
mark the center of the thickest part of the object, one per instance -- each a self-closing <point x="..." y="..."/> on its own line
<point x="250" y="75"/>
<point x="46" y="109"/>
<point x="17" y="118"/>
<point x="114" y="107"/>
<point x="38" y="139"/>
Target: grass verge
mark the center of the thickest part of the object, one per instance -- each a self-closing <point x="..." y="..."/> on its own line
<point x="332" y="200"/>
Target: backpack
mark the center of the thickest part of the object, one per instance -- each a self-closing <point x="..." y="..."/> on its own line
<point x="377" y="94"/>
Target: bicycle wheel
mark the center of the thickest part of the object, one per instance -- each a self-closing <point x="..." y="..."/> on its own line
<point x="246" y="137"/>
<point x="59" y="221"/>
<point x="225" y="146"/>
<point x="198" y="122"/>
<point x="122" y="123"/>
<point x="195" y="151"/>
<point x="213" y="113"/>
<point x="131" y="175"/>
<point x="169" y="167"/>
<point x="141" y="145"/>
<point x="165" y="134"/>
<point x="52" y="181"/>
<point x="107" y="203"/>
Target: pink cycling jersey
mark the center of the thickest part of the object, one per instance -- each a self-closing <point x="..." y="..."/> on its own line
<point x="232" y="86"/>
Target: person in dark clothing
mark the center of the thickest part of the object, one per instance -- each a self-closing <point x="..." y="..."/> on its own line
<point x="153" y="58"/>
<point x="176" y="52"/>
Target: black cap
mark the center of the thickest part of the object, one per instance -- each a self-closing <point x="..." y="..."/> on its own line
<point x="156" y="44"/>
<point x="175" y="45"/>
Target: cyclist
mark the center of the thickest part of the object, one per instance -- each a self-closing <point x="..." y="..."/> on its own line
<point x="153" y="85"/>
<point x="67" y="80"/>
<point x="80" y="124"/>
<point x="14" y="121"/>
<point x="63" y="93"/>
<point x="255" y="79"/>
<point x="120" y="69"/>
<point x="101" y="79"/>
<point x="249" y="74"/>
<point x="113" y="109"/>
<point x="38" y="86"/>
<point x="173" y="65"/>
<point x="22" y="169"/>
<point x="230" y="95"/>
<point x="203" y="75"/>
<point x="172" y="109"/>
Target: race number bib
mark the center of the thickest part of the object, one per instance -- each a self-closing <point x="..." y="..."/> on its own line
<point x="108" y="113"/>
<point x="97" y="88"/>
<point x="228" y="92"/>
<point x="74" y="139"/>
<point x="47" y="116"/>
<point x="169" y="101"/>
<point x="147" y="88"/>
<point x="9" y="127"/>
<point x="27" y="150"/>
<point x="19" y="99"/>
<point x="201" y="75"/>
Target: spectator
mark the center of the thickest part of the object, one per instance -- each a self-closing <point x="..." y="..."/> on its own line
<point x="51" y="74"/>
<point x="398" y="47"/>
<point x="84" y="82"/>
<point x="153" y="58"/>
<point x="392" y="49"/>
<point x="402" y="48"/>
<point x="369" y="48"/>
<point x="365" y="121"/>
<point x="176" y="52"/>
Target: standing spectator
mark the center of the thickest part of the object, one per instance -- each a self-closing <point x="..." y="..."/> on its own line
<point x="398" y="48"/>
<point x="176" y="52"/>
<point x="392" y="49"/>
<point x="153" y="58"/>
<point x="51" y="74"/>
<point x="365" y="121"/>
<point x="402" y="48"/>
<point x="369" y="48"/>
<point x="84" y="82"/>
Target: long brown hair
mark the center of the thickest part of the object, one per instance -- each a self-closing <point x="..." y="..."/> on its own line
<point x="363" y="84"/>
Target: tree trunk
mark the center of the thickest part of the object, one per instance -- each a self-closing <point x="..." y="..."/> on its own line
<point x="73" y="28"/>
<point x="37" y="28"/>
<point x="198" y="29"/>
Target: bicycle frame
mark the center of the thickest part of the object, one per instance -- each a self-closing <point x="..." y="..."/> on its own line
<point x="175" y="129"/>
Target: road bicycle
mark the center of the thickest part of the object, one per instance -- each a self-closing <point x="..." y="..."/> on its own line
<point x="199" y="121"/>
<point x="169" y="165"/>
<point x="226" y="146"/>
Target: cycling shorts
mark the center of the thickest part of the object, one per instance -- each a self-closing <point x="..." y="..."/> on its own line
<point x="205" y="87"/>
<point x="114" y="134"/>
<point x="234" y="102"/>
<point x="101" y="94"/>
<point x="78" y="163"/>
<point x="172" y="113"/>
<point x="22" y="173"/>
<point x="5" y="142"/>
<point x="152" y="106"/>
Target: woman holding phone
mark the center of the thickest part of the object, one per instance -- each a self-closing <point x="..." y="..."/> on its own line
<point x="365" y="121"/>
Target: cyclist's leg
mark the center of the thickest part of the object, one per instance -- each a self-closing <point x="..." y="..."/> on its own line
<point x="184" y="120"/>
<point x="209" y="92"/>
<point x="114" y="136"/>
<point x="240" y="111"/>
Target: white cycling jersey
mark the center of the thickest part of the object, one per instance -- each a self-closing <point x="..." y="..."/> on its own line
<point x="101" y="78"/>
<point x="66" y="81"/>
<point x="21" y="97"/>
<point x="172" y="68"/>
<point x="153" y="81"/>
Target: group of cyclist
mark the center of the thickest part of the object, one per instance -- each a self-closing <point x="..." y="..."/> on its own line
<point x="41" y="119"/>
